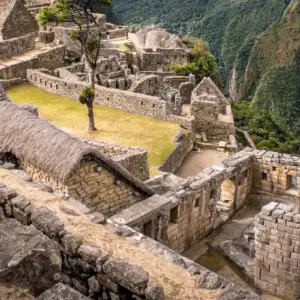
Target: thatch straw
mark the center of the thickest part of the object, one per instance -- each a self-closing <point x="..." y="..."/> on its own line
<point x="50" y="149"/>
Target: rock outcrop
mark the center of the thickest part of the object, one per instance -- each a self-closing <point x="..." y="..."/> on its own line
<point x="28" y="258"/>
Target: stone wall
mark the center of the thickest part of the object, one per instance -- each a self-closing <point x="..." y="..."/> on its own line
<point x="88" y="269"/>
<point x="123" y="100"/>
<point x="50" y="59"/>
<point x="135" y="160"/>
<point x="175" y="81"/>
<point x="208" y="119"/>
<point x="19" y="22"/>
<point x="161" y="59"/>
<point x="174" y="160"/>
<point x="276" y="173"/>
<point x="277" y="251"/>
<point x="93" y="185"/>
<point x="94" y="271"/>
<point x="202" y="202"/>
<point x="16" y="46"/>
<point x="149" y="217"/>
<point x="63" y="35"/>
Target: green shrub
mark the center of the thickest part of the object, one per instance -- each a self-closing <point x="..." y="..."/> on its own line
<point x="87" y="96"/>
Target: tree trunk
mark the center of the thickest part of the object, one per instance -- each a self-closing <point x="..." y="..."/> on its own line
<point x="90" y="106"/>
<point x="91" y="117"/>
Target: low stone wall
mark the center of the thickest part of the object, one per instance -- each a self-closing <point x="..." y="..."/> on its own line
<point x="16" y="46"/>
<point x="277" y="251"/>
<point x="93" y="271"/>
<point x="276" y="173"/>
<point x="175" y="81"/>
<point x="182" y="149"/>
<point x="88" y="269"/>
<point x="123" y="100"/>
<point x="135" y="160"/>
<point x="50" y="59"/>
<point x="150" y="217"/>
<point x="162" y="58"/>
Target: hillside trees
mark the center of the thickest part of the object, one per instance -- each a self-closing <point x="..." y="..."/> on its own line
<point x="202" y="64"/>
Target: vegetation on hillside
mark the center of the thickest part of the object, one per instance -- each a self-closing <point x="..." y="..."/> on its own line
<point x="230" y="27"/>
<point x="202" y="62"/>
<point x="265" y="133"/>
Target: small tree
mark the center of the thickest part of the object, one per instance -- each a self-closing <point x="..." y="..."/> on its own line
<point x="88" y="34"/>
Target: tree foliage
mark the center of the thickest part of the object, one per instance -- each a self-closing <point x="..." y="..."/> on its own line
<point x="263" y="129"/>
<point x="202" y="64"/>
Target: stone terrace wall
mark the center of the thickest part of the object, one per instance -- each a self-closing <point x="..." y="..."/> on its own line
<point x="276" y="173"/>
<point x="162" y="59"/>
<point x="16" y="46"/>
<point x="277" y="251"/>
<point x="50" y="59"/>
<point x="123" y="100"/>
<point x="178" y="155"/>
<point x="135" y="160"/>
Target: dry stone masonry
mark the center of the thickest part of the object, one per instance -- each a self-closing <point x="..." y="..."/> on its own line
<point x="277" y="258"/>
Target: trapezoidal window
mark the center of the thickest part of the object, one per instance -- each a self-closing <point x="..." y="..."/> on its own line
<point x="197" y="202"/>
<point x="174" y="215"/>
<point x="264" y="176"/>
<point x="292" y="182"/>
<point x="148" y="229"/>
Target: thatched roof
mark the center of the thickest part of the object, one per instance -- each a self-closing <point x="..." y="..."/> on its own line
<point x="46" y="147"/>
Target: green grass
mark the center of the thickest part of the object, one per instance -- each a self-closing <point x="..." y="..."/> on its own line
<point x="113" y="125"/>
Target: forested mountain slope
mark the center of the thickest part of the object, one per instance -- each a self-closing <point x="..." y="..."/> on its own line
<point x="272" y="79"/>
<point x="230" y="27"/>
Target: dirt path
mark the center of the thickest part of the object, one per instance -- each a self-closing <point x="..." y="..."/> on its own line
<point x="197" y="162"/>
<point x="177" y="282"/>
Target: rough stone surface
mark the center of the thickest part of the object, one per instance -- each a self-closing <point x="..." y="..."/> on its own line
<point x="47" y="221"/>
<point x="61" y="292"/>
<point x="27" y="257"/>
<point x="129" y="276"/>
<point x="154" y="292"/>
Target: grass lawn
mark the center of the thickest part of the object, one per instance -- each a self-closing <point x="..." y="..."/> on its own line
<point x="113" y="125"/>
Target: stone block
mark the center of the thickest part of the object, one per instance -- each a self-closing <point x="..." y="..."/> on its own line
<point x="270" y="278"/>
<point x="275" y="257"/>
<point x="47" y="221"/>
<point x="89" y="253"/>
<point x="129" y="276"/>
<point x="265" y="286"/>
<point x="154" y="292"/>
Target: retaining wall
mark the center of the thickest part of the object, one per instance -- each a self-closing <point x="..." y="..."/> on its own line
<point x="50" y="59"/>
<point x="178" y="155"/>
<point x="16" y="46"/>
<point x="123" y="100"/>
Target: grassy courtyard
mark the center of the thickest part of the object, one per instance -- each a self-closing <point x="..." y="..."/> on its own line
<point x="113" y="125"/>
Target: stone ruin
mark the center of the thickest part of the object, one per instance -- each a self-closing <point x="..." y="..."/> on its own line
<point x="16" y="39"/>
<point x="94" y="211"/>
